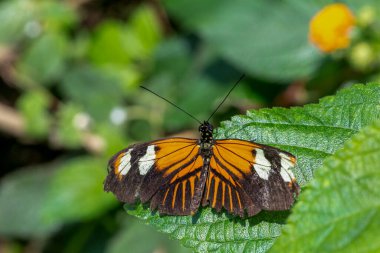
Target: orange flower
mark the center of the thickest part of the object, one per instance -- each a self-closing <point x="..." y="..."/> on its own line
<point x="329" y="29"/>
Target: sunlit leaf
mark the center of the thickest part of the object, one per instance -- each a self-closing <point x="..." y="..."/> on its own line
<point x="340" y="209"/>
<point x="34" y="109"/>
<point x="312" y="133"/>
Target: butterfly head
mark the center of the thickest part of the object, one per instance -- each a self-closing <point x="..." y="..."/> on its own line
<point x="205" y="129"/>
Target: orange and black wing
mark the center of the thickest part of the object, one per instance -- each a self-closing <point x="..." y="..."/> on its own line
<point x="165" y="172"/>
<point x="246" y="177"/>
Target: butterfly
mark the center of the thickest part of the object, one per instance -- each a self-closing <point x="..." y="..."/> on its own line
<point x="178" y="175"/>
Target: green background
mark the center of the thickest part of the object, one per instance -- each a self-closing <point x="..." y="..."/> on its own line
<point x="69" y="99"/>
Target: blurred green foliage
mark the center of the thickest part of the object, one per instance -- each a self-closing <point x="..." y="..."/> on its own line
<point x="69" y="99"/>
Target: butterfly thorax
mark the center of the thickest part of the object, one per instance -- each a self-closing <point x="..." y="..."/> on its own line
<point x="206" y="141"/>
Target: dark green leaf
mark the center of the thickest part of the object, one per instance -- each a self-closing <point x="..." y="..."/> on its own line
<point x="88" y="87"/>
<point x="340" y="209"/>
<point x="179" y="79"/>
<point x="12" y="24"/>
<point x="34" y="202"/>
<point x="266" y="39"/>
<point x="44" y="61"/>
<point x="76" y="191"/>
<point x="22" y="196"/>
<point x="129" y="239"/>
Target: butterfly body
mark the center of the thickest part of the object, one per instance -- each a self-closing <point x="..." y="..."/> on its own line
<point x="178" y="175"/>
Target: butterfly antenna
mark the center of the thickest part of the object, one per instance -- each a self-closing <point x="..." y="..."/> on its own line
<point x="176" y="106"/>
<point x="233" y="87"/>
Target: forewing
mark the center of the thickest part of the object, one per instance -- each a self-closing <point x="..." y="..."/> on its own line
<point x="140" y="170"/>
<point x="260" y="174"/>
<point x="124" y="178"/>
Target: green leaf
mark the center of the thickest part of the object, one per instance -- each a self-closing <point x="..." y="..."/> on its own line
<point x="35" y="202"/>
<point x="22" y="195"/>
<point x="179" y="78"/>
<point x="130" y="238"/>
<point x="76" y="191"/>
<point x="71" y="122"/>
<point x="33" y="106"/>
<point x="340" y="209"/>
<point x="12" y="25"/>
<point x="114" y="136"/>
<point x="109" y="35"/>
<point x="254" y="35"/>
<point x="22" y="19"/>
<point x="210" y="232"/>
<point x="145" y="31"/>
<point x="44" y="61"/>
<point x="88" y="86"/>
<point x="312" y="133"/>
<point x="126" y="42"/>
<point x="57" y="16"/>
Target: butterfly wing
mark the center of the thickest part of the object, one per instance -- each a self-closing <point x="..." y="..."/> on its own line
<point x="165" y="172"/>
<point x="243" y="177"/>
<point x="248" y="177"/>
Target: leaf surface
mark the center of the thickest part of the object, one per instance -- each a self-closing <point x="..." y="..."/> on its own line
<point x="254" y="35"/>
<point x="311" y="133"/>
<point x="340" y="210"/>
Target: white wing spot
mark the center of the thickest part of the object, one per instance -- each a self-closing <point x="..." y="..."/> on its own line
<point x="125" y="163"/>
<point x="262" y="165"/>
<point x="285" y="172"/>
<point x="285" y="175"/>
<point x="146" y="162"/>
